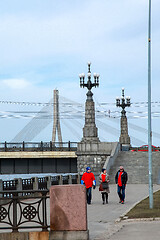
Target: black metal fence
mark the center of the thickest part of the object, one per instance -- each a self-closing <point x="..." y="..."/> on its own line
<point x="24" y="210"/>
<point x="38" y="146"/>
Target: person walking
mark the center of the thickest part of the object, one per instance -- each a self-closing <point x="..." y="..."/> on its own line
<point x="104" y="185"/>
<point x="121" y="179"/>
<point x="88" y="179"/>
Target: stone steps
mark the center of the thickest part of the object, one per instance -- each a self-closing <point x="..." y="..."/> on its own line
<point x="136" y="165"/>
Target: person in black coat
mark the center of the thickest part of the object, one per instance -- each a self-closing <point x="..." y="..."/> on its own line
<point x="121" y="179"/>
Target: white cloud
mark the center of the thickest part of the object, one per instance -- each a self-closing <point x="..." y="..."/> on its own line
<point x="78" y="31"/>
<point x="16" y="83"/>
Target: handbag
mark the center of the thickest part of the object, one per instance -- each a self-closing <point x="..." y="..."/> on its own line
<point x="100" y="187"/>
<point x="104" y="185"/>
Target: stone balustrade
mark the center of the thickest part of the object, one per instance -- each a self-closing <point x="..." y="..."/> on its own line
<point x="38" y="183"/>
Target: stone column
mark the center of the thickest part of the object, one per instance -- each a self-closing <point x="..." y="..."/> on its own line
<point x="90" y="151"/>
<point x="90" y="131"/>
<point x="88" y="148"/>
<point x="124" y="137"/>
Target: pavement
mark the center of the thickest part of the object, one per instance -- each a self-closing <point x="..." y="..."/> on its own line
<point x="103" y="220"/>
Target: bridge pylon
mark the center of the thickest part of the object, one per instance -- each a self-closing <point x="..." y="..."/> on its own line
<point x="56" y="118"/>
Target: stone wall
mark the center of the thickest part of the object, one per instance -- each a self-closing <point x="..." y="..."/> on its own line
<point x="93" y="155"/>
<point x="136" y="165"/>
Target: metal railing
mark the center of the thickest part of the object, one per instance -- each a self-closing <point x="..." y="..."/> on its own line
<point x="144" y="149"/>
<point x="38" y="146"/>
<point x="24" y="212"/>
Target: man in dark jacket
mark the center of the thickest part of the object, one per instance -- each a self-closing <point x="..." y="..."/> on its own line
<point x="121" y="181"/>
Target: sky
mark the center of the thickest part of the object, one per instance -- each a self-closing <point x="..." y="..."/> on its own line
<point x="44" y="45"/>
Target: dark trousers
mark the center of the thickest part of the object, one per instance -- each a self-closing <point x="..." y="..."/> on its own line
<point x="105" y="196"/>
<point x="121" y="192"/>
<point x="89" y="194"/>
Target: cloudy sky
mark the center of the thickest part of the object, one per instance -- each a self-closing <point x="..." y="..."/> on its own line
<point x="46" y="44"/>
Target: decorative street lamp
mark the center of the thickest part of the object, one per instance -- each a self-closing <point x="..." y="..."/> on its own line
<point x="90" y="131"/>
<point x="123" y="103"/>
<point x="124" y="137"/>
<point x="89" y="84"/>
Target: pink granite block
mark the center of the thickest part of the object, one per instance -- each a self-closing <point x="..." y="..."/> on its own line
<point x="68" y="209"/>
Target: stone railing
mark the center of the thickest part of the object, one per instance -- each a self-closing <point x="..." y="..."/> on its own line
<point x="111" y="159"/>
<point x="38" y="183"/>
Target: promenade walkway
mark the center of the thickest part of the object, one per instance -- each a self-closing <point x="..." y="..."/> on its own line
<point x="101" y="218"/>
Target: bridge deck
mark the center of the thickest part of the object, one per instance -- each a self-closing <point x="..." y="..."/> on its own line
<point x="44" y="154"/>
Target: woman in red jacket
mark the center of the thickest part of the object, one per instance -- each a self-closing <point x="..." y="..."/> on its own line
<point x="104" y="180"/>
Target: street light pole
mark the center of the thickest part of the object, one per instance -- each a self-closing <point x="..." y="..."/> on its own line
<point x="90" y="131"/>
<point x="149" y="113"/>
<point x="124" y="139"/>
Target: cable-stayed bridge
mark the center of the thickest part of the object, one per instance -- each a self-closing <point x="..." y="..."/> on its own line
<point x="45" y="157"/>
<point x="72" y="114"/>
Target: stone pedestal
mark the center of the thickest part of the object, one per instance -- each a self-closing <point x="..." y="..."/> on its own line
<point x="124" y="137"/>
<point x="68" y="210"/>
<point x="92" y="154"/>
<point x="90" y="131"/>
<point x="69" y="235"/>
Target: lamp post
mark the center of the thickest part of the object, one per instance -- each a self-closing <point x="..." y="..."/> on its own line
<point x="90" y="131"/>
<point x="149" y="113"/>
<point x="124" y="137"/>
<point x="89" y="84"/>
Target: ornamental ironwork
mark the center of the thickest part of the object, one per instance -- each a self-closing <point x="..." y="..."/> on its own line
<point x="23" y="208"/>
<point x="3" y="213"/>
<point x="123" y="103"/>
<point x="29" y="212"/>
<point x="89" y="85"/>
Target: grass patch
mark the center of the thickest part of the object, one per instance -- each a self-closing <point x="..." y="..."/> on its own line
<point x="142" y="210"/>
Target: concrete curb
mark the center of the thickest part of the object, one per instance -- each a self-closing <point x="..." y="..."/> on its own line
<point x="125" y="218"/>
<point x="123" y="223"/>
<point x="112" y="230"/>
<point x="122" y="217"/>
<point x="141" y="219"/>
